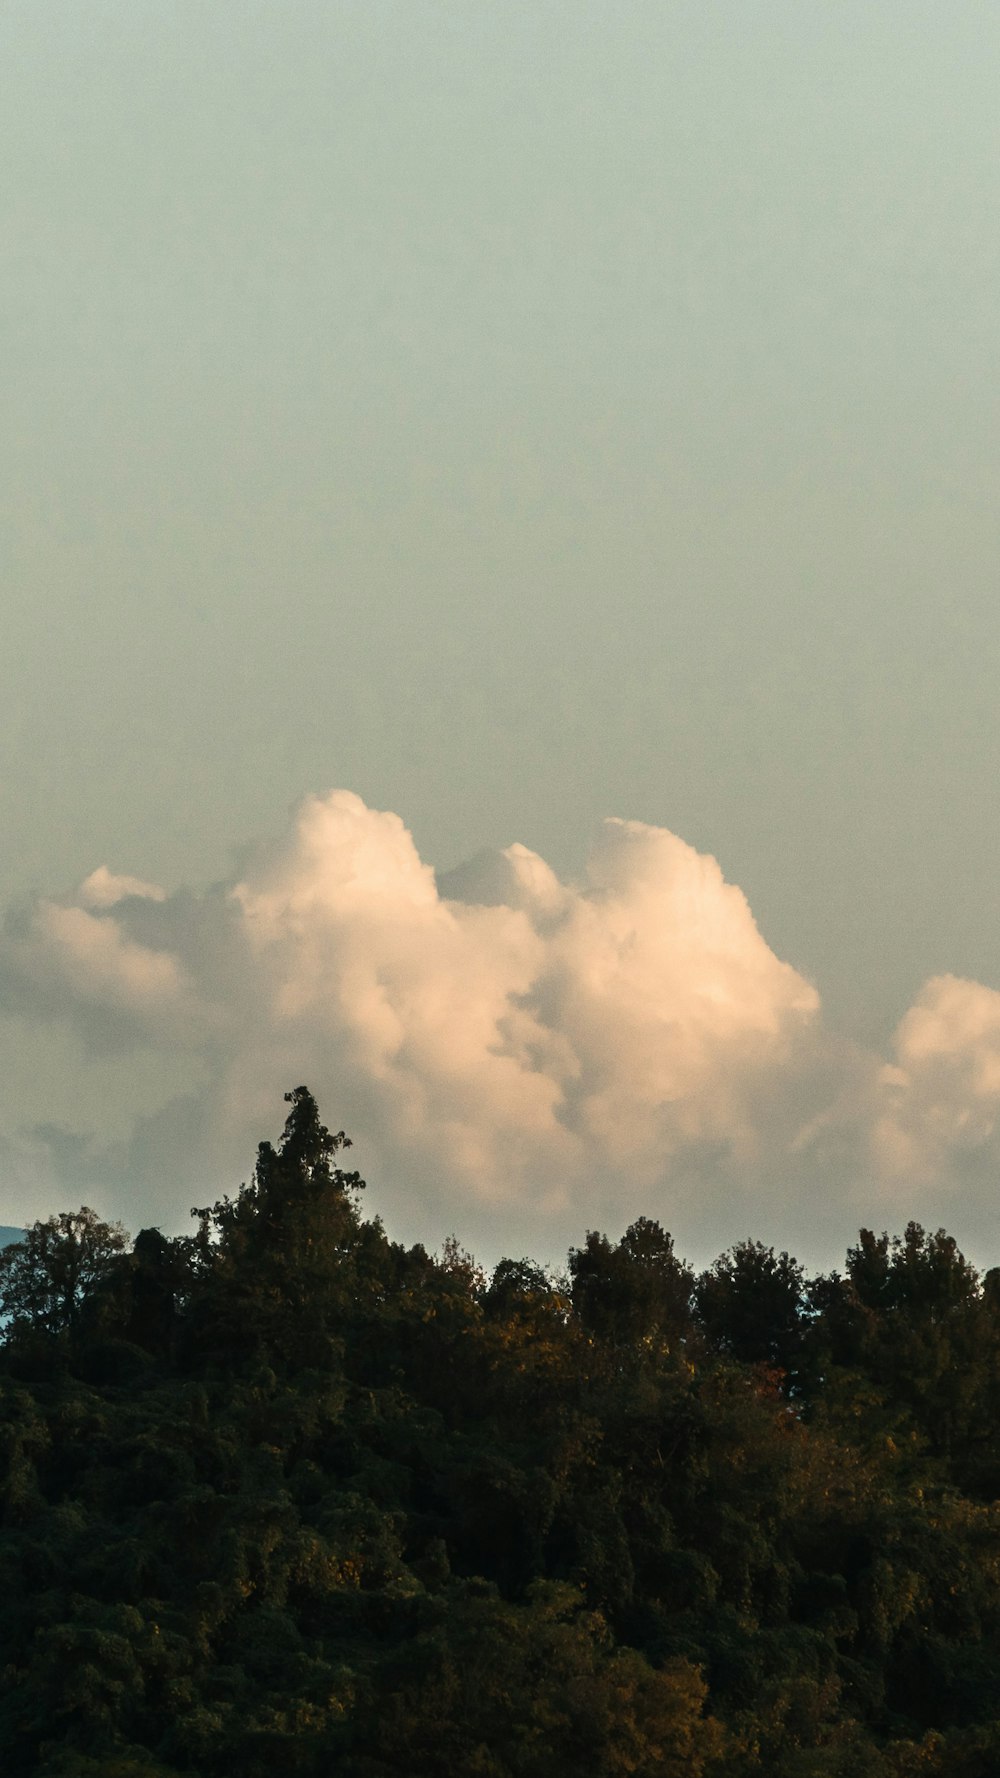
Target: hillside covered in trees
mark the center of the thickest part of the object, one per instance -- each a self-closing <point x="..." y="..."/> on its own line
<point x="283" y="1496"/>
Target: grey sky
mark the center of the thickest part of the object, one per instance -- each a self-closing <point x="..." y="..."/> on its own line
<point x="517" y="414"/>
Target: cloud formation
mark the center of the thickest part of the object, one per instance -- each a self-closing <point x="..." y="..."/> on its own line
<point x="940" y="1101"/>
<point x="507" y="1049"/>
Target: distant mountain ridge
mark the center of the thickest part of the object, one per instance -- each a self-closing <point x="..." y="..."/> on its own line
<point x="9" y="1235"/>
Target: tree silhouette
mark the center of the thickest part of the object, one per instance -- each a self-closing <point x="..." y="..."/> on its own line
<point x="751" y="1304"/>
<point x="47" y="1278"/>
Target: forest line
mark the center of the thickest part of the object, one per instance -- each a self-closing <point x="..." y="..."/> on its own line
<point x="283" y="1492"/>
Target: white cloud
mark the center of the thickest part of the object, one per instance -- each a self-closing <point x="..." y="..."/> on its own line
<point x="525" y="1039"/>
<point x="940" y="1096"/>
<point x="504" y="1047"/>
<point x="103" y="890"/>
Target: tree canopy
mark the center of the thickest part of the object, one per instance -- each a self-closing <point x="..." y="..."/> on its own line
<point x="283" y="1494"/>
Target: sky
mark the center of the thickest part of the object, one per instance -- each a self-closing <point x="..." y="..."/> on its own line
<point x="429" y="430"/>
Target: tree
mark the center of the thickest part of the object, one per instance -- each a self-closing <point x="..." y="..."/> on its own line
<point x="751" y="1303"/>
<point x="925" y="1275"/>
<point x="518" y="1287"/>
<point x="297" y="1196"/>
<point x="47" y="1279"/>
<point x="159" y="1278"/>
<point x="633" y="1292"/>
<point x="277" y="1259"/>
<point x="925" y="1333"/>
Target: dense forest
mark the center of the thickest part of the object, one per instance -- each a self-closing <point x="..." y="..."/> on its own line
<point x="285" y="1496"/>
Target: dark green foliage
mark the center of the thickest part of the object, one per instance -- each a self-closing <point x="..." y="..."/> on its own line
<point x="286" y="1496"/>
<point x="50" y="1276"/>
<point x="278" y="1264"/>
<point x="751" y="1303"/>
<point x="633" y="1293"/>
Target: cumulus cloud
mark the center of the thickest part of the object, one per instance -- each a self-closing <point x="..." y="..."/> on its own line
<point x="502" y="1045"/>
<point x="103" y="890"/>
<point x="940" y="1096"/>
